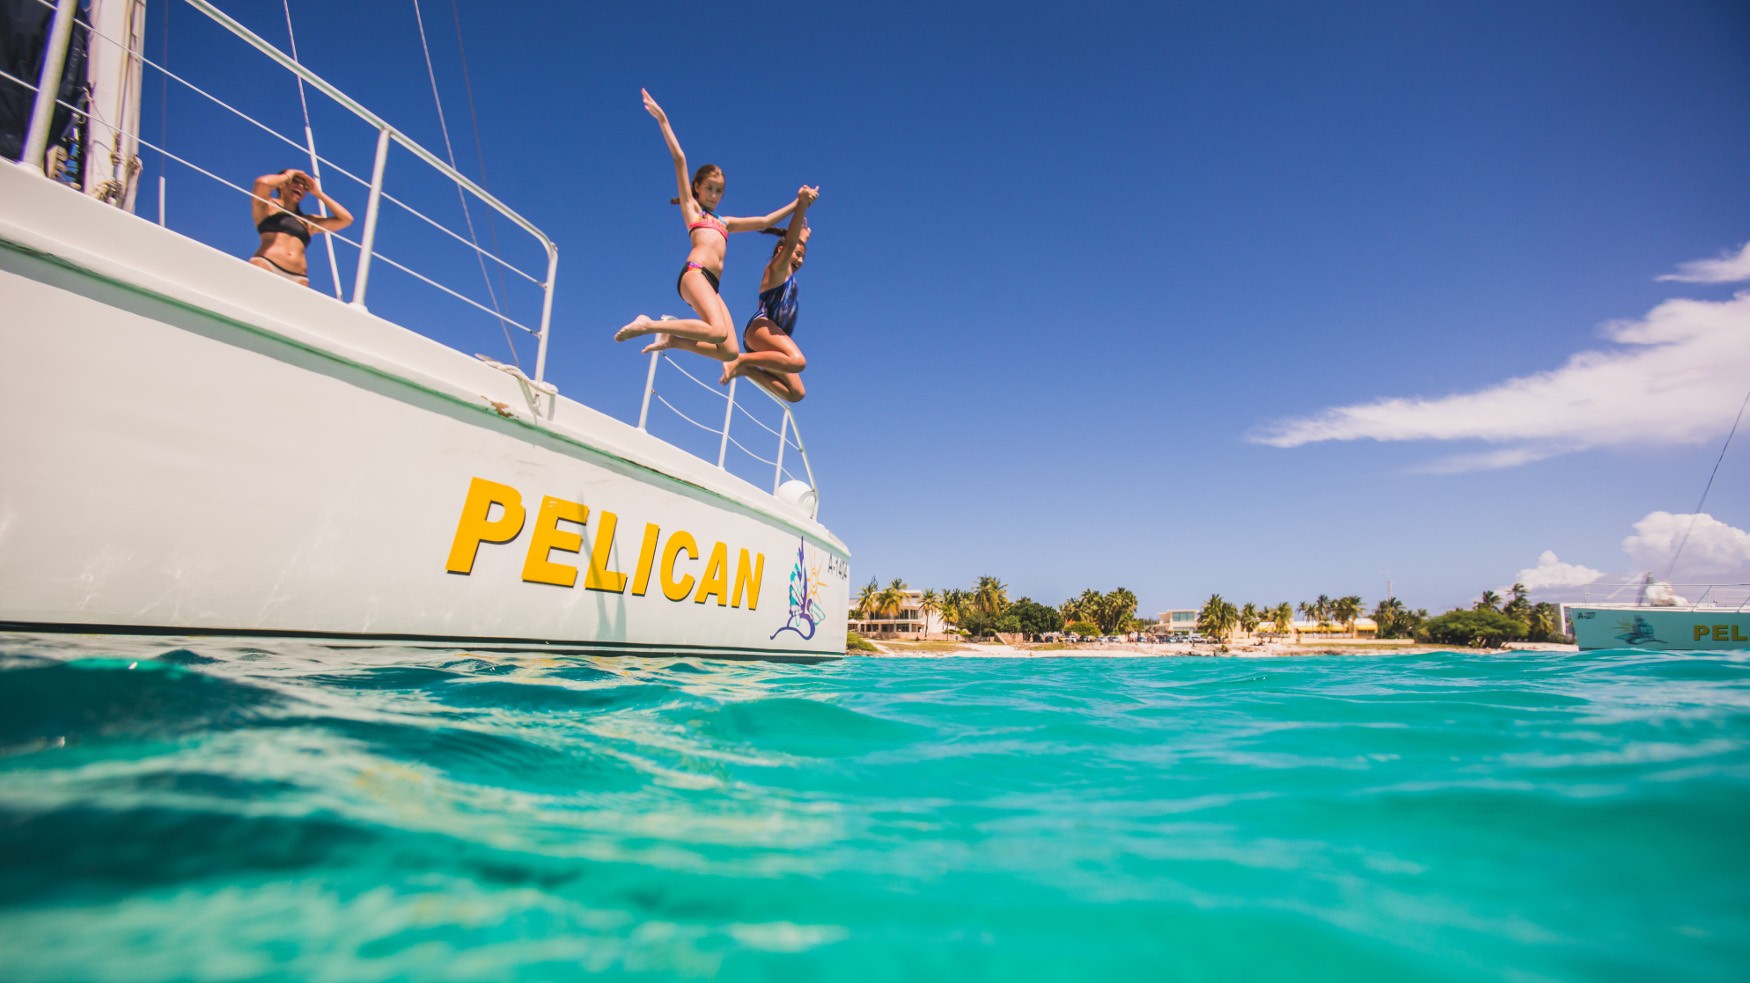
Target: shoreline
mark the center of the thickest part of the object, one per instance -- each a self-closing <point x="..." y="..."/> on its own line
<point x="952" y="648"/>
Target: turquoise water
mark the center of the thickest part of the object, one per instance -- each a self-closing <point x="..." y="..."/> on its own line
<point x="288" y="810"/>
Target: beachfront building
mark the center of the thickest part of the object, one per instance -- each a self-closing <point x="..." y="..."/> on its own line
<point x="1364" y="628"/>
<point x="907" y="622"/>
<point x="1179" y="620"/>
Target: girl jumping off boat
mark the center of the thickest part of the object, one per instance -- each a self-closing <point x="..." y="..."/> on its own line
<point x="285" y="231"/>
<point x="771" y="357"/>
<point x="713" y="332"/>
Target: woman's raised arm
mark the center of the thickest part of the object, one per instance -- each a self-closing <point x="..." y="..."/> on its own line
<point x="674" y="150"/>
<point x="262" y="204"/>
<point x="337" y="218"/>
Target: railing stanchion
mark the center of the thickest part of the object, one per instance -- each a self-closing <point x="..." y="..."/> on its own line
<point x="316" y="172"/>
<point x="649" y="388"/>
<point x="368" y="241"/>
<point x="48" y="87"/>
<point x="809" y="468"/>
<point x="728" y="415"/>
<point x="546" y="312"/>
<point x="783" y="431"/>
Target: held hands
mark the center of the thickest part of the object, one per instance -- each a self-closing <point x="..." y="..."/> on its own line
<point x="652" y="108"/>
<point x="806" y="195"/>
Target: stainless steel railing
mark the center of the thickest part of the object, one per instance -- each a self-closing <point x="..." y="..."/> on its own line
<point x="787" y="433"/>
<point x="1717" y="597"/>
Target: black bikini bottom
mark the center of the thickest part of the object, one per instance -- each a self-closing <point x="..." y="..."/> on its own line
<point x="709" y="276"/>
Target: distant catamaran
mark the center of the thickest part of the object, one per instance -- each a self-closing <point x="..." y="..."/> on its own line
<point x="1656" y="615"/>
<point x="189" y="445"/>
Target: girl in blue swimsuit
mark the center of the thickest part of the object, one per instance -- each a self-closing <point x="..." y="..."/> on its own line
<point x="771" y="358"/>
<point x="712" y="333"/>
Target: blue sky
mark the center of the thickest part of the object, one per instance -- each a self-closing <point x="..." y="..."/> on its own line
<point x="1121" y="294"/>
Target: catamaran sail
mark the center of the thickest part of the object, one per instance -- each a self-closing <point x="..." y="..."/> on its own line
<point x="27" y="29"/>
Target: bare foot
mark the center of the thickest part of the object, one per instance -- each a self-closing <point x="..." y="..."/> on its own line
<point x="663" y="342"/>
<point x="731" y="369"/>
<point x="640" y="325"/>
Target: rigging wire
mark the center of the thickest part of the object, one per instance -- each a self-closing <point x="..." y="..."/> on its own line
<point x="479" y="149"/>
<point x="443" y="125"/>
<point x="310" y="144"/>
<point x="1710" y="484"/>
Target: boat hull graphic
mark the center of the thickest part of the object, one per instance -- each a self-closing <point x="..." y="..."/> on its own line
<point x="1659" y="628"/>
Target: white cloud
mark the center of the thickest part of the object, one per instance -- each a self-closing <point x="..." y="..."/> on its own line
<point x="1725" y="269"/>
<point x="1713" y="553"/>
<point x="1511" y="457"/>
<point x="1674" y="376"/>
<point x="1552" y="572"/>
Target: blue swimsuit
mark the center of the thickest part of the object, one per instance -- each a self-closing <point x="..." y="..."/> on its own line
<point x="777" y="305"/>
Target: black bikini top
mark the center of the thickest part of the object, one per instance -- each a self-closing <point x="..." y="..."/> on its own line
<point x="287" y="223"/>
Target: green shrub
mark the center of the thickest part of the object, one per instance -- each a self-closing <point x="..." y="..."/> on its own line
<point x="857" y="643"/>
<point x="1473" y="629"/>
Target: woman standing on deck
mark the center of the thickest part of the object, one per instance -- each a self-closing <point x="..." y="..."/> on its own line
<point x="285" y="231"/>
<point x="770" y="356"/>
<point x="713" y="332"/>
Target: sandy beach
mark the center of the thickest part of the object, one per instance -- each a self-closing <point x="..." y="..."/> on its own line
<point x="952" y="648"/>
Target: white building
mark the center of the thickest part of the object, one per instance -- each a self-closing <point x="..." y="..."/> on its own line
<point x="908" y="622"/>
<point x="1178" y="619"/>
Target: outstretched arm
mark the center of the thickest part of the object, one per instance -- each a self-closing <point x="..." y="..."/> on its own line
<point x="681" y="180"/>
<point x="805" y="196"/>
<point x="758" y="222"/>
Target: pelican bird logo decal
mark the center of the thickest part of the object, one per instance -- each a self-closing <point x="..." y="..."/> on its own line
<point x="1637" y="631"/>
<point x="805" y="584"/>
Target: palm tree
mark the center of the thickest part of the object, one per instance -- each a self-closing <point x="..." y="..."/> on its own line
<point x="1519" y="606"/>
<point x="1283" y="614"/>
<point x="1118" y="608"/>
<point x="953" y="605"/>
<point x="1490" y="601"/>
<point x="1306" y="610"/>
<point x="866" y="600"/>
<point x="1322" y="610"/>
<point x="1250" y="619"/>
<point x="1089" y="603"/>
<point x="891" y="599"/>
<point x="1391" y="617"/>
<point x="1346" y="610"/>
<point x="991" y="596"/>
<point x="931" y="601"/>
<point x="1217" y="618"/>
<point x="1545" y="622"/>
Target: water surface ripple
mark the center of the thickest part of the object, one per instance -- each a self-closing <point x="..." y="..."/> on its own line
<point x="288" y="810"/>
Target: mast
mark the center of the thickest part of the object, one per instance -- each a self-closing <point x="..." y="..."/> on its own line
<point x="112" y="144"/>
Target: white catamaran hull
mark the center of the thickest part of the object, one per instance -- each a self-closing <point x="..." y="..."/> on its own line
<point x="1662" y="628"/>
<point x="189" y="444"/>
